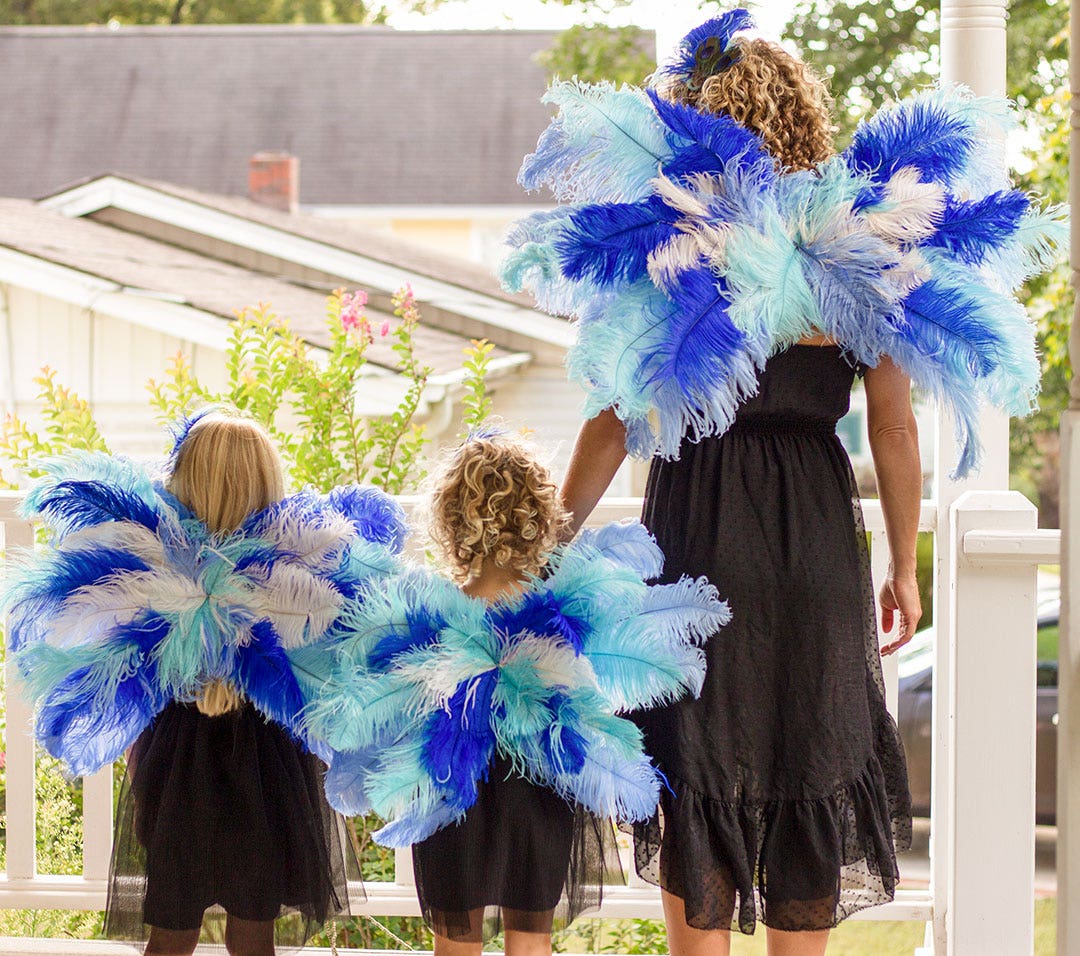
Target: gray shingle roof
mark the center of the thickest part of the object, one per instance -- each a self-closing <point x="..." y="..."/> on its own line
<point x="376" y="116"/>
<point x="204" y="283"/>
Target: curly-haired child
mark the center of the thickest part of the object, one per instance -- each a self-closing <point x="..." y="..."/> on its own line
<point x="522" y="852"/>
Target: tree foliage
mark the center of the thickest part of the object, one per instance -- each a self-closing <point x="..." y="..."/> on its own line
<point x="148" y="12"/>
<point x="598" y="52"/>
<point x="872" y="51"/>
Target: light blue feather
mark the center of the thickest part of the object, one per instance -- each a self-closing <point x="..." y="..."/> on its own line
<point x="603" y="146"/>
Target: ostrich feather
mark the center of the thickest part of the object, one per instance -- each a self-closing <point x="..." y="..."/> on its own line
<point x="920" y="132"/>
<point x="603" y="146"/>
<point x="1041" y="242"/>
<point x="376" y="517"/>
<point x="908" y="211"/>
<point x="689" y="609"/>
<point x="707" y="143"/>
<point x="971" y="229"/>
<point x="627" y="543"/>
<point x="299" y="605"/>
<point x="610" y="242"/>
<point x="346" y="780"/>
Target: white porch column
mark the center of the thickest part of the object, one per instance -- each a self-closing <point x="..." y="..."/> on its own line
<point x="972" y="53"/>
<point x="1068" y="800"/>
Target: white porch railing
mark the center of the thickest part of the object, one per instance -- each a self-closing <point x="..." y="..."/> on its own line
<point x="985" y="750"/>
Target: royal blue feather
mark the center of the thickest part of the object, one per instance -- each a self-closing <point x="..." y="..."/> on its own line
<point x="922" y="133"/>
<point x="421" y="629"/>
<point x="375" y="515"/>
<point x="610" y="242"/>
<point x="699" y="342"/>
<point x="972" y="229"/>
<point x="73" y="505"/>
<point x="459" y="741"/>
<point x="539" y="612"/>
<point x="706" y="143"/>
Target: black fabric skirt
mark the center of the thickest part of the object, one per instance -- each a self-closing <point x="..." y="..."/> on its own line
<point x="224" y="815"/>
<point x="521" y="859"/>
<point x="788" y="781"/>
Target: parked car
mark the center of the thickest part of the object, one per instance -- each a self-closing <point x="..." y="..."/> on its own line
<point x="916" y="672"/>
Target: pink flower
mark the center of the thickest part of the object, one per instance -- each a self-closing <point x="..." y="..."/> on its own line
<point x="352" y="309"/>
<point x="384" y="329"/>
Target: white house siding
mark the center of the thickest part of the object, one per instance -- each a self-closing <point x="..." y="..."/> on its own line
<point x="105" y="360"/>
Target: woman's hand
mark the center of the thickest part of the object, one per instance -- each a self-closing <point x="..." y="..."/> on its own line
<point x="900" y="597"/>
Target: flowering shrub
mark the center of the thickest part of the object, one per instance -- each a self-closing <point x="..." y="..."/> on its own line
<point x="305" y="398"/>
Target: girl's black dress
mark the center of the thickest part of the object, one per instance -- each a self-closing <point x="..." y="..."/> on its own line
<point x="788" y="778"/>
<point x="523" y="859"/>
<point x="225" y="814"/>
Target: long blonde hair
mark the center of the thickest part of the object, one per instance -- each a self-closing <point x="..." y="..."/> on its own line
<point x="226" y="468"/>
<point x="495" y="500"/>
<point x="773" y="93"/>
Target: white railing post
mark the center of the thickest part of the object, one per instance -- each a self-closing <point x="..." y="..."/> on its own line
<point x="973" y="53"/>
<point x="991" y="704"/>
<point x="19" y="745"/>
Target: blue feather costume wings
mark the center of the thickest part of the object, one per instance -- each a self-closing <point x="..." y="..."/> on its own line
<point x="135" y="604"/>
<point x="432" y="684"/>
<point x="687" y="260"/>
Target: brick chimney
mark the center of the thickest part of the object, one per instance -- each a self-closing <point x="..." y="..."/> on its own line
<point x="274" y="180"/>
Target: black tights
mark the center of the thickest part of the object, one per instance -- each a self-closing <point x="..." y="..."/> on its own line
<point x="243" y="937"/>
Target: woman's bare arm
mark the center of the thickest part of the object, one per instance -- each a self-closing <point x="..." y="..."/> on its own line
<point x="598" y="451"/>
<point x="894" y="443"/>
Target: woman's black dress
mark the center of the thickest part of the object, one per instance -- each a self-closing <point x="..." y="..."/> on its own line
<point x="225" y="814"/>
<point x="789" y="781"/>
<point x="522" y="858"/>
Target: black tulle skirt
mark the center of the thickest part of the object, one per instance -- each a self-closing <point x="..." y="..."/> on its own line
<point x="521" y="859"/>
<point x="789" y="787"/>
<point x="224" y="815"/>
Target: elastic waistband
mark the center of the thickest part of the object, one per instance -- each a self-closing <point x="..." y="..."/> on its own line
<point x="782" y="426"/>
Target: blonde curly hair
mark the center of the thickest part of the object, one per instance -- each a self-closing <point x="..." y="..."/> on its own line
<point x="495" y="500"/>
<point x="773" y="93"/>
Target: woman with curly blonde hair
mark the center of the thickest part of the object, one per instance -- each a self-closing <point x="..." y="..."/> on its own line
<point x="788" y="791"/>
<point x="495" y="517"/>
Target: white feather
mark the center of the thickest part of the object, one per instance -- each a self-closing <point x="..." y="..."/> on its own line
<point x="671" y="258"/>
<point x="910" y="211"/>
<point x="316" y="546"/>
<point x="555" y="664"/>
<point x="299" y="605"/>
<point x="91" y="612"/>
<point x="122" y="535"/>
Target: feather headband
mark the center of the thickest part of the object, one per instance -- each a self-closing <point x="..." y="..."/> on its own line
<point x="704" y="51"/>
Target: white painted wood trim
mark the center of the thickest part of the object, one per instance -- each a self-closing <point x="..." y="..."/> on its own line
<point x="367" y="272"/>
